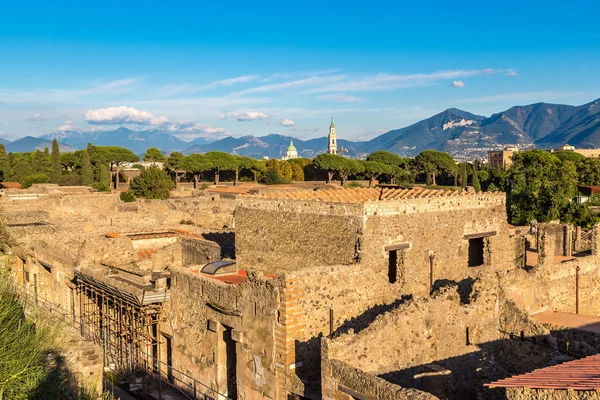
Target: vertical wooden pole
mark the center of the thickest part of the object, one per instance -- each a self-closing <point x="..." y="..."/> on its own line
<point x="577" y="289"/>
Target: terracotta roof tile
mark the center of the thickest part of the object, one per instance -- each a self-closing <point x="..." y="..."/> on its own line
<point x="582" y="374"/>
<point x="359" y="195"/>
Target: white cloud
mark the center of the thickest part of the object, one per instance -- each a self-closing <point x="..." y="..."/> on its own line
<point x="246" y="116"/>
<point x="67" y="126"/>
<point x="512" y="74"/>
<point x="287" y="122"/>
<point x="36" y="117"/>
<point x="339" y="98"/>
<point x="123" y="115"/>
<point x="459" y="84"/>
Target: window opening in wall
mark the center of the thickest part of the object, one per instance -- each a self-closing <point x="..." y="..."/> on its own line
<point x="26" y="276"/>
<point x="393" y="266"/>
<point x="476" y="252"/>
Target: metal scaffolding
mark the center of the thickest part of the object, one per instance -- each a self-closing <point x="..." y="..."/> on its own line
<point x="126" y="328"/>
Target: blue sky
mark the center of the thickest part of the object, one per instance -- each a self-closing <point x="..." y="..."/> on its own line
<point x="237" y="68"/>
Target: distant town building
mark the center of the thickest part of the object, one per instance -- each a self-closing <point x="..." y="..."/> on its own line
<point x="291" y="152"/>
<point x="501" y="158"/>
<point x="584" y="152"/>
<point x="332" y="139"/>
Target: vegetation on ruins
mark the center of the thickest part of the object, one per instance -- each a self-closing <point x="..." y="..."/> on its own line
<point x="35" y="178"/>
<point x="127" y="196"/>
<point x="152" y="183"/>
<point x="31" y="364"/>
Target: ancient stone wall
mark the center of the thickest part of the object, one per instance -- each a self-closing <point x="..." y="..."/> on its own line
<point x="440" y="227"/>
<point x="340" y="381"/>
<point x="276" y="236"/>
<point x="440" y="344"/>
<point x="199" y="252"/>
<point x="196" y="317"/>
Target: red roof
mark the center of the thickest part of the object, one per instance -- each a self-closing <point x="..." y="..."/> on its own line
<point x="582" y="374"/>
<point x="10" y="185"/>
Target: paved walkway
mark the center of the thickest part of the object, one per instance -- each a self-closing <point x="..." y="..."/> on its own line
<point x="568" y="320"/>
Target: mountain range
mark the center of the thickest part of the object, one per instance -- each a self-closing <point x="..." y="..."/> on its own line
<point x="460" y="133"/>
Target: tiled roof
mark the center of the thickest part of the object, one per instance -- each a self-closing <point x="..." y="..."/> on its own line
<point x="360" y="195"/>
<point x="145" y="253"/>
<point x="582" y="374"/>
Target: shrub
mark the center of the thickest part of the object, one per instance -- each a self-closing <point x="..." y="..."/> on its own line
<point x="35" y="178"/>
<point x="354" y="185"/>
<point x="153" y="183"/>
<point x="127" y="196"/>
<point x="138" y="166"/>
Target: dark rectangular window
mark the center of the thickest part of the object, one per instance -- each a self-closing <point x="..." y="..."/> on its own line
<point x="475" y="252"/>
<point x="393" y="266"/>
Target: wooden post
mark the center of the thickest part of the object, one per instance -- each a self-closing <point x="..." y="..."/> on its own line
<point x="431" y="258"/>
<point x="577" y="289"/>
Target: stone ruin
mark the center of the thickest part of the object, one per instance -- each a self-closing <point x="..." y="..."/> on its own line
<point x="333" y="293"/>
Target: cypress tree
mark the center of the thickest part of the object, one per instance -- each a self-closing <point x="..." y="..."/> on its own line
<point x="5" y="170"/>
<point x="39" y="162"/>
<point x="476" y="184"/>
<point x="86" y="172"/>
<point x="465" y="177"/>
<point x="55" y="172"/>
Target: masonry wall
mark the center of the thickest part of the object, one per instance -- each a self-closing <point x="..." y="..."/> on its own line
<point x="201" y="308"/>
<point x="437" y="227"/>
<point x="290" y="235"/>
<point x="340" y="381"/>
<point x="441" y="344"/>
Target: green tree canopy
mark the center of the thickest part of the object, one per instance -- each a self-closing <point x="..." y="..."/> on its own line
<point x="86" y="172"/>
<point x="540" y="186"/>
<point x="153" y="183"/>
<point x="564" y="155"/>
<point x="220" y="161"/>
<point x="32" y="179"/>
<point x="56" y="168"/>
<point x="386" y="157"/>
<point x="40" y="163"/>
<point x="153" y="154"/>
<point x="195" y="164"/>
<point x="374" y="169"/>
<point x="331" y="163"/>
<point x="5" y="168"/>
<point x="173" y="163"/>
<point x="434" y="163"/>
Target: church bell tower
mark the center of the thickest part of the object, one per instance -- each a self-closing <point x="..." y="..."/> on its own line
<point x="331" y="139"/>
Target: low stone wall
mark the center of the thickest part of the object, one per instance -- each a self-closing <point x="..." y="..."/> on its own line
<point x="340" y="381"/>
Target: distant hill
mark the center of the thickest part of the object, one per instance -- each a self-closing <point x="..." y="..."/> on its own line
<point x="582" y="129"/>
<point x="429" y="133"/>
<point x="30" y="143"/>
<point x="136" y="141"/>
<point x="465" y="135"/>
<point x="5" y="142"/>
<point x="460" y="133"/>
<point x="273" y="146"/>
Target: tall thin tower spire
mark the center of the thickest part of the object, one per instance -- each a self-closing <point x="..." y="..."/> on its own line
<point x="332" y="140"/>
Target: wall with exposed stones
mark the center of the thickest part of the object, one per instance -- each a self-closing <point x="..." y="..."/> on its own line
<point x="440" y="344"/>
<point x="340" y="381"/>
<point x="290" y="235"/>
<point x="201" y="308"/>
<point x="437" y="227"/>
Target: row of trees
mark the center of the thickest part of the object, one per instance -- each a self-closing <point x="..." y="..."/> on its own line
<point x="539" y="185"/>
